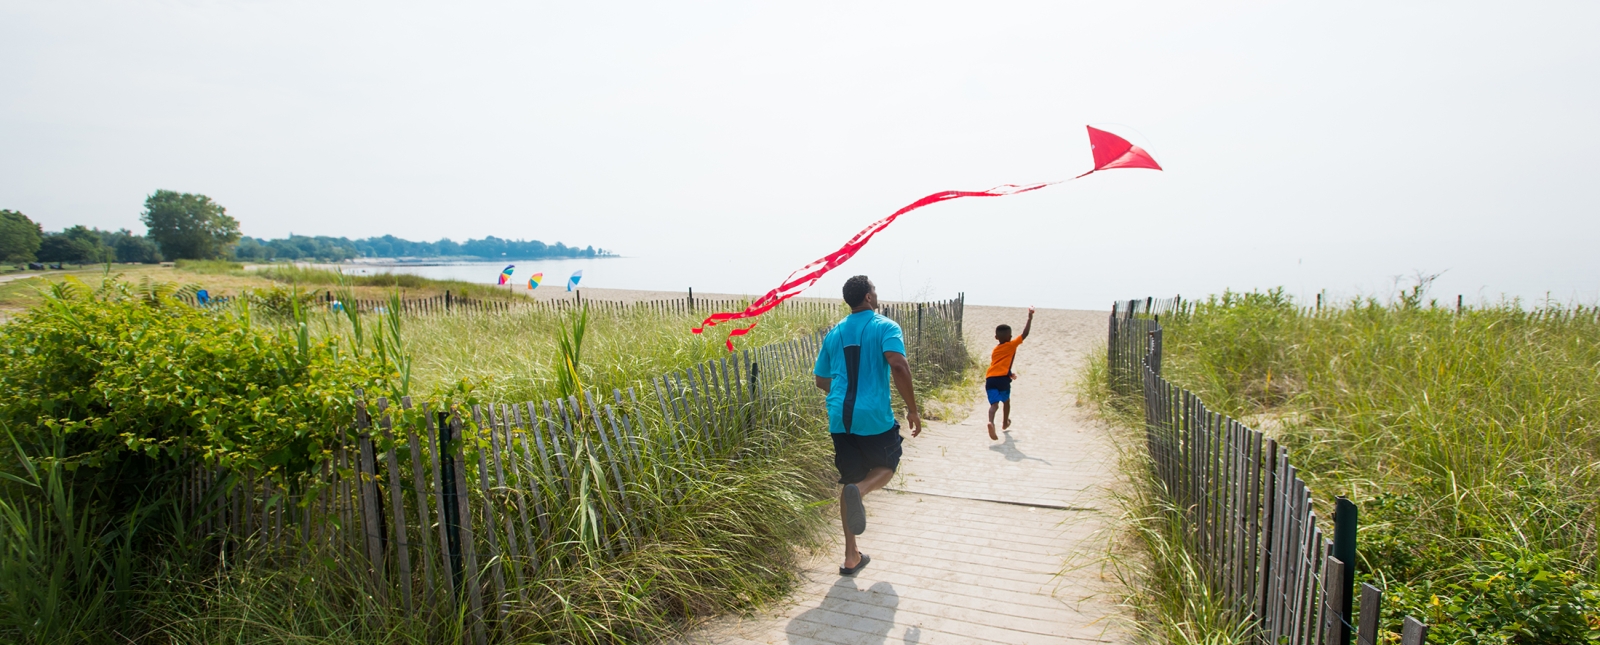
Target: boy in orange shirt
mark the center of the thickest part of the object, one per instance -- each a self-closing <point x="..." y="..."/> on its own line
<point x="997" y="381"/>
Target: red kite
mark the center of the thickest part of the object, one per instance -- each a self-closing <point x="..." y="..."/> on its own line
<point x="1110" y="151"/>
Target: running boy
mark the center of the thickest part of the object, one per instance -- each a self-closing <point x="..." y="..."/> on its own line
<point x="999" y="377"/>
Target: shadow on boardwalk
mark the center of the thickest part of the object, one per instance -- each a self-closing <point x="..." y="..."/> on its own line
<point x="866" y="614"/>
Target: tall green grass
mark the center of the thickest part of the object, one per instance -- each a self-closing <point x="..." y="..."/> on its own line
<point x="515" y="356"/>
<point x="1470" y="440"/>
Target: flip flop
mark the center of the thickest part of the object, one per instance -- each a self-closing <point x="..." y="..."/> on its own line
<point x="855" y="514"/>
<point x="850" y="571"/>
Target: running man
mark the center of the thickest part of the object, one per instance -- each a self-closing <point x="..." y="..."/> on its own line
<point x="997" y="381"/>
<point x="858" y="357"/>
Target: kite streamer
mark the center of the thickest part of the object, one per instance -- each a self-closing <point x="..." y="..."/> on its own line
<point x="1110" y="151"/>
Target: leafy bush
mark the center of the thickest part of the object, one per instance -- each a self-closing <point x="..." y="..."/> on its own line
<point x="111" y="396"/>
<point x="121" y="377"/>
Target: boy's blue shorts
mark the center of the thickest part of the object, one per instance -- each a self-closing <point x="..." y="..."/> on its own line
<point x="999" y="388"/>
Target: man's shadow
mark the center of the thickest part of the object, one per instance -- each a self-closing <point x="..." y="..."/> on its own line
<point x="848" y="614"/>
<point x="1009" y="450"/>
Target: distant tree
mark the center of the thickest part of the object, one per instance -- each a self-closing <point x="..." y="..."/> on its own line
<point x="76" y="245"/>
<point x="19" y="237"/>
<point x="128" y="247"/>
<point x="189" y="226"/>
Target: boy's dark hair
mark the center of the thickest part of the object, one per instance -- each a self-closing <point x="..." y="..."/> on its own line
<point x="856" y="289"/>
<point x="1003" y="329"/>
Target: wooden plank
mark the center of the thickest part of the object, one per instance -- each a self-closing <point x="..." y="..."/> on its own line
<point x="1239" y="523"/>
<point x="439" y="453"/>
<point x="698" y="392"/>
<point x="491" y="521"/>
<point x="502" y="425"/>
<point x="1413" y="632"/>
<point x="1279" y="559"/>
<point x="397" y="499"/>
<point x="566" y="431"/>
<point x="1254" y="509"/>
<point x="611" y="457"/>
<point x="622" y="491"/>
<point x="524" y="487"/>
<point x="419" y="485"/>
<point x="366" y="472"/>
<point x="1332" y="600"/>
<point x="469" y="549"/>
<point x="1370" y="611"/>
<point x="539" y="483"/>
<point x="570" y="417"/>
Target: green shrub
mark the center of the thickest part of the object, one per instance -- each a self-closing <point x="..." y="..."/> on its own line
<point x="111" y="396"/>
<point x="120" y="377"/>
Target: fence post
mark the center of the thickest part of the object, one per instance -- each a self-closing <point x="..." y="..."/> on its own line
<point x="447" y="300"/>
<point x="1344" y="548"/>
<point x="1413" y="632"/>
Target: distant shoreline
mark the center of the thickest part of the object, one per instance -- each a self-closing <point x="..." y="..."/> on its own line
<point x="431" y="262"/>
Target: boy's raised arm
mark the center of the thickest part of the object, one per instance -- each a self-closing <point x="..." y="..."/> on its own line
<point x="1028" y="327"/>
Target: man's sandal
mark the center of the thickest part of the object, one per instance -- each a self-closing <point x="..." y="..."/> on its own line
<point x="855" y="514"/>
<point x="850" y="571"/>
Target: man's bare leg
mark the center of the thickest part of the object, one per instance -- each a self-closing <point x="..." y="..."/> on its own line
<point x="992" y="408"/>
<point x="876" y="478"/>
<point x="1007" y="415"/>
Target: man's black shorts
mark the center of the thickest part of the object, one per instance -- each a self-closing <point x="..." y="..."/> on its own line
<point x="855" y="454"/>
<point x="1001" y="383"/>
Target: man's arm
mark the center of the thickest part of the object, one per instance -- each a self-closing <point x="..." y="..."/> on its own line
<point x="824" y="383"/>
<point x="1028" y="327"/>
<point x="901" y="369"/>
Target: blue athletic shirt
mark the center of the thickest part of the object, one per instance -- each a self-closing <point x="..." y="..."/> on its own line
<point x="852" y="355"/>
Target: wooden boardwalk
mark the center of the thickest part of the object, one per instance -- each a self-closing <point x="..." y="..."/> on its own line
<point x="976" y="541"/>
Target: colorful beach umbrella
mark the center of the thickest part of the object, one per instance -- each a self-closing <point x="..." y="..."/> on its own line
<point x="534" y="280"/>
<point x="505" y="274"/>
<point x="572" y="282"/>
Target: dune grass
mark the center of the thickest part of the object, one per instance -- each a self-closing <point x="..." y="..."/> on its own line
<point x="1470" y="440"/>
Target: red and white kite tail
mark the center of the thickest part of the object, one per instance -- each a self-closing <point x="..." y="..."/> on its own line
<point x="808" y="275"/>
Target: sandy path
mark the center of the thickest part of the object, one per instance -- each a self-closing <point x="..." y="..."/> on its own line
<point x="977" y="540"/>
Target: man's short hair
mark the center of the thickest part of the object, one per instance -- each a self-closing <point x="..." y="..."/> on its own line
<point x="856" y="290"/>
<point x="1003" y="329"/>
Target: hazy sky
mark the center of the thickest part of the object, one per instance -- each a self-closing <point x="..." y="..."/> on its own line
<point x="1309" y="145"/>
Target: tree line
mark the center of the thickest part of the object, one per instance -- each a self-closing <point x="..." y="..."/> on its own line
<point x="183" y="226"/>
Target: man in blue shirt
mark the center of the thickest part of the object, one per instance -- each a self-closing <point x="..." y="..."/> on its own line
<point x="854" y="367"/>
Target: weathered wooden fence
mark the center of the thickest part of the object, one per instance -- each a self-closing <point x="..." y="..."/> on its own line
<point x="1250" y="518"/>
<point x="452" y="508"/>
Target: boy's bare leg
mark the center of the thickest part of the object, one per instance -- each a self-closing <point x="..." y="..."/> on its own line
<point x="992" y="408"/>
<point x="1007" y="415"/>
<point x="876" y="478"/>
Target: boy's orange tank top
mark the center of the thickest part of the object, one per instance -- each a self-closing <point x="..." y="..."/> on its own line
<point x="1004" y="354"/>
